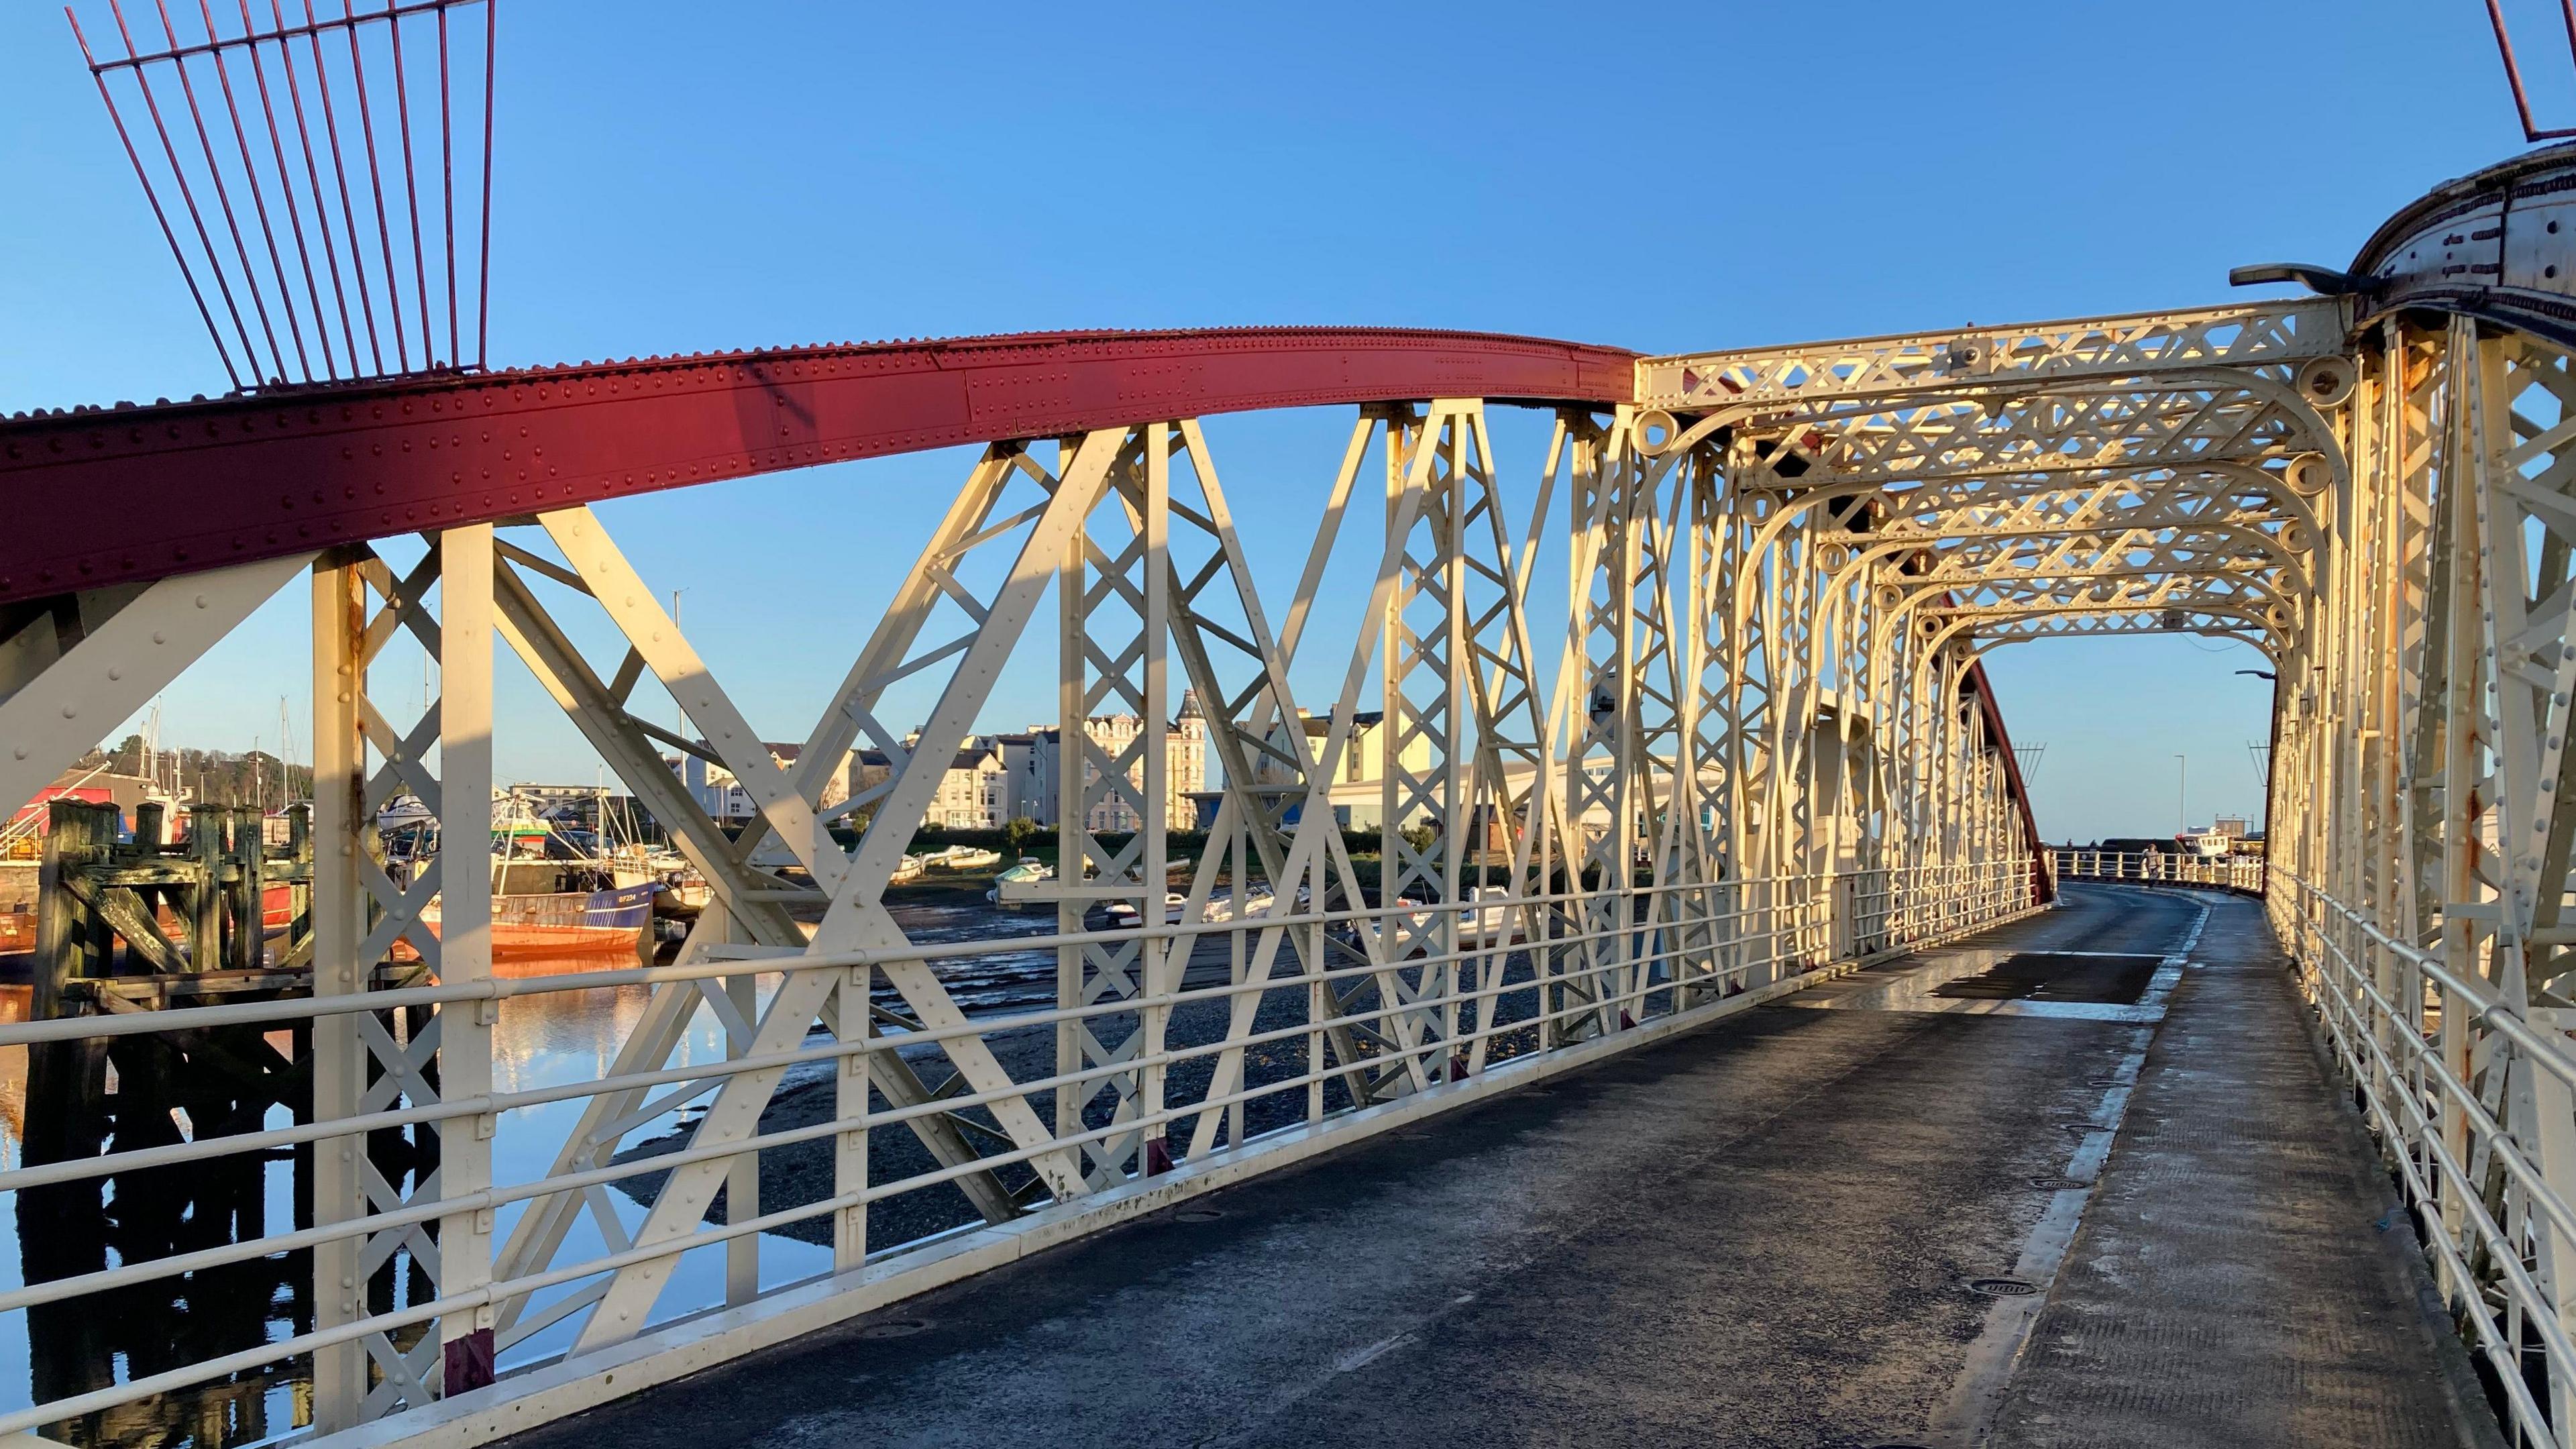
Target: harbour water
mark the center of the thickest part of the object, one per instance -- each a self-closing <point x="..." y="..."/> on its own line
<point x="49" y="1351"/>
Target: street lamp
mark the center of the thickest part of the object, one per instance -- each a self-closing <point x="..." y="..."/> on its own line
<point x="2260" y="673"/>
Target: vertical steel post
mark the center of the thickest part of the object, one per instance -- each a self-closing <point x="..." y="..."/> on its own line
<point x="465" y="941"/>
<point x="342" y="833"/>
<point x="850" y="1103"/>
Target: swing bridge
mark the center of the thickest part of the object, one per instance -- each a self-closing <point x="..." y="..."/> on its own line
<point x="1754" y="763"/>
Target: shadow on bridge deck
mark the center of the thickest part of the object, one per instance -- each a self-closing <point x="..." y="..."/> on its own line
<point x="1761" y="1234"/>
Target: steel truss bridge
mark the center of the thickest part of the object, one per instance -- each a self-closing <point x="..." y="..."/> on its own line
<point x="1758" y="751"/>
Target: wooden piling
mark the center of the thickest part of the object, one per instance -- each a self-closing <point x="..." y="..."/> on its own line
<point x="206" y="901"/>
<point x="151" y="825"/>
<point x="244" y="864"/>
<point x="66" y="1080"/>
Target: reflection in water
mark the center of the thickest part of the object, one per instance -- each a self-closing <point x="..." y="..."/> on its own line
<point x="155" y="1091"/>
<point x="93" y="1341"/>
<point x="100" y="1339"/>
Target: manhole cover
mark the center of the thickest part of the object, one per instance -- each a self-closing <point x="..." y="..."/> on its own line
<point x="2002" y="1287"/>
<point x="1197" y="1214"/>
<point x="895" y="1328"/>
<point x="2058" y="1184"/>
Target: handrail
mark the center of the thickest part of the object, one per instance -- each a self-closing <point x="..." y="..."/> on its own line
<point x="1720" y="940"/>
<point x="2229" y="872"/>
<point x="2418" y="1040"/>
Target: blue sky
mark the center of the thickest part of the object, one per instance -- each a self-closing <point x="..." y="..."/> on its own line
<point x="670" y="181"/>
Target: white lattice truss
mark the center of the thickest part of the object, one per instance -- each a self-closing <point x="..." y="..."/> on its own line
<point x="1763" y="748"/>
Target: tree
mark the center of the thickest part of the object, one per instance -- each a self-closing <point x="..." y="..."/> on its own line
<point x="1017" y="832"/>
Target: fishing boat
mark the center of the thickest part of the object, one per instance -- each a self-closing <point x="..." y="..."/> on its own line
<point x="2207" y="844"/>
<point x="554" y="893"/>
<point x="635" y="865"/>
<point x="564" y="922"/>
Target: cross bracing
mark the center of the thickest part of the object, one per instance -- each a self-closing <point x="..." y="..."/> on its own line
<point x="1757" y="745"/>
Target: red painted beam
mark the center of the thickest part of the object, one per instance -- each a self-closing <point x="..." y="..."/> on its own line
<point x="108" y="495"/>
<point x="2014" y="785"/>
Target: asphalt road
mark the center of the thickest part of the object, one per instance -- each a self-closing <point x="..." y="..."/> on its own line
<point x="1760" y="1233"/>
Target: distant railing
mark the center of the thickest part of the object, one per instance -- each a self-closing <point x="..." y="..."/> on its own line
<point x="2232" y="872"/>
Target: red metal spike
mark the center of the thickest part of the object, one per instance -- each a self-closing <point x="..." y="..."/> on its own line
<point x="223" y="194"/>
<point x="177" y="253"/>
<point x="258" y="195"/>
<point x="286" y="180"/>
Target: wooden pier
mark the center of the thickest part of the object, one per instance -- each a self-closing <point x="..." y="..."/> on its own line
<point x="146" y="924"/>
<point x="133" y="925"/>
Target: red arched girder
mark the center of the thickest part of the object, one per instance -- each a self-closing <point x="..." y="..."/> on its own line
<point x="126" y="494"/>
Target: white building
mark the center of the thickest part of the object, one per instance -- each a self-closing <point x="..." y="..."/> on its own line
<point x="993" y="778"/>
<point x="722" y="796"/>
<point x="973" y="793"/>
<point x="1033" y="762"/>
<point x="1359" y="784"/>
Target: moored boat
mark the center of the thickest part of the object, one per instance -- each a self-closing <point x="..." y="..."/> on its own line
<point x="1012" y="888"/>
<point x="565" y="921"/>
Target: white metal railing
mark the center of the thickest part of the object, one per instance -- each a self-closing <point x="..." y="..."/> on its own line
<point x="2235" y="872"/>
<point x="1690" y="951"/>
<point x="2473" y="1101"/>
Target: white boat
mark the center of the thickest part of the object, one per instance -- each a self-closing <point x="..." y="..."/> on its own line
<point x="1479" y="925"/>
<point x="1489" y="925"/>
<point x="1258" y="902"/>
<point x="1123" y="914"/>
<point x="1222" y="907"/>
<point x="1012" y="887"/>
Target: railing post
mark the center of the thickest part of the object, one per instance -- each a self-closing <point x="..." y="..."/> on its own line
<point x="340" y="918"/>
<point x="465" y="943"/>
<point x="850" y="1102"/>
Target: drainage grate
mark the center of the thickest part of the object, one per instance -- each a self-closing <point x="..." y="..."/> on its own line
<point x="2058" y="1184"/>
<point x="1197" y="1214"/>
<point x="2087" y="1129"/>
<point x="2002" y="1287"/>
<point x="895" y="1328"/>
